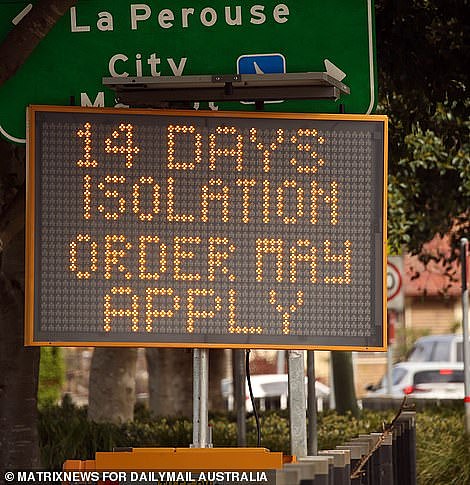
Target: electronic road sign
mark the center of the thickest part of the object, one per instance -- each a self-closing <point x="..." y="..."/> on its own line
<point x="205" y="229"/>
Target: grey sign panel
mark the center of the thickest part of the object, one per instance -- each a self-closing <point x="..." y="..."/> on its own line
<point x="204" y="229"/>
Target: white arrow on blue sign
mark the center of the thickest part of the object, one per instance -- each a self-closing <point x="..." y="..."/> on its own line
<point x="261" y="64"/>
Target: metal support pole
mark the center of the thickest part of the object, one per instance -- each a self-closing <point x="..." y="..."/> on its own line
<point x="466" y="342"/>
<point x="312" y="441"/>
<point x="201" y="438"/>
<point x="389" y="369"/>
<point x="196" y="396"/>
<point x="239" y="393"/>
<point x="332" y="383"/>
<point x="297" y="404"/>
<point x="281" y="362"/>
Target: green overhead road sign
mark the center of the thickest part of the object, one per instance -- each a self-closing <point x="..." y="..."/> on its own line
<point x="103" y="38"/>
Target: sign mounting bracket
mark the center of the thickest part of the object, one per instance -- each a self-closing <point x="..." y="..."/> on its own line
<point x="148" y="91"/>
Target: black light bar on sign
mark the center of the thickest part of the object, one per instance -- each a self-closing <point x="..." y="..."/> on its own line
<point x="147" y="91"/>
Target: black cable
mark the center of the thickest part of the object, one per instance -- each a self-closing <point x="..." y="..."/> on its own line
<point x="252" y="397"/>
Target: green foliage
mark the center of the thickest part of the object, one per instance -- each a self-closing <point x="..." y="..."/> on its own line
<point x="334" y="429"/>
<point x="443" y="454"/>
<point x="442" y="446"/>
<point x="422" y="51"/>
<point x="66" y="433"/>
<point x="51" y="376"/>
<point x="429" y="190"/>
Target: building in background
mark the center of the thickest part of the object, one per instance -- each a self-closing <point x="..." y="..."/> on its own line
<point x="432" y="306"/>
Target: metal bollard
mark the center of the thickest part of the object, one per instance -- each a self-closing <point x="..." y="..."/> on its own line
<point x="385" y="461"/>
<point x="288" y="476"/>
<point x="400" y="451"/>
<point x="321" y="470"/>
<point x="400" y="478"/>
<point x="356" y="455"/>
<point x="373" y="462"/>
<point x="366" y="477"/>
<point x="408" y="418"/>
<point x="313" y="470"/>
<point x="365" y="448"/>
<point x="306" y="472"/>
<point x="321" y="459"/>
<point x="342" y="465"/>
<point x="397" y="432"/>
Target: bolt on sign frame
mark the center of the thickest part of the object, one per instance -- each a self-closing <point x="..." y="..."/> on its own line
<point x="205" y="229"/>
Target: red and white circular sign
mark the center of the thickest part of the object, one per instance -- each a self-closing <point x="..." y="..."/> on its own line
<point x="394" y="281"/>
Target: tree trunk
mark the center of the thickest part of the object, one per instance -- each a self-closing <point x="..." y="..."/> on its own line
<point x="112" y="385"/>
<point x="19" y="370"/>
<point x="217" y="371"/>
<point x="19" y="366"/>
<point x="343" y="378"/>
<point x="170" y="381"/>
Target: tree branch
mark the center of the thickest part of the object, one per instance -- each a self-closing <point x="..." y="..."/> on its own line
<point x="25" y="37"/>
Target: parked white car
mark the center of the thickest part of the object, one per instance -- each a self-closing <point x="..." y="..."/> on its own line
<point x="437" y="348"/>
<point x="423" y="380"/>
<point x="270" y="392"/>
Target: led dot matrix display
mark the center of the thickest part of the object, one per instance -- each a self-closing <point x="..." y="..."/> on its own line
<point x="201" y="229"/>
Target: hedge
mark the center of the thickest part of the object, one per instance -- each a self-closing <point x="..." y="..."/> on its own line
<point x="65" y="433"/>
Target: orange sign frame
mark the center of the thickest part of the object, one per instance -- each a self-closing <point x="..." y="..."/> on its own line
<point x="30" y="224"/>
